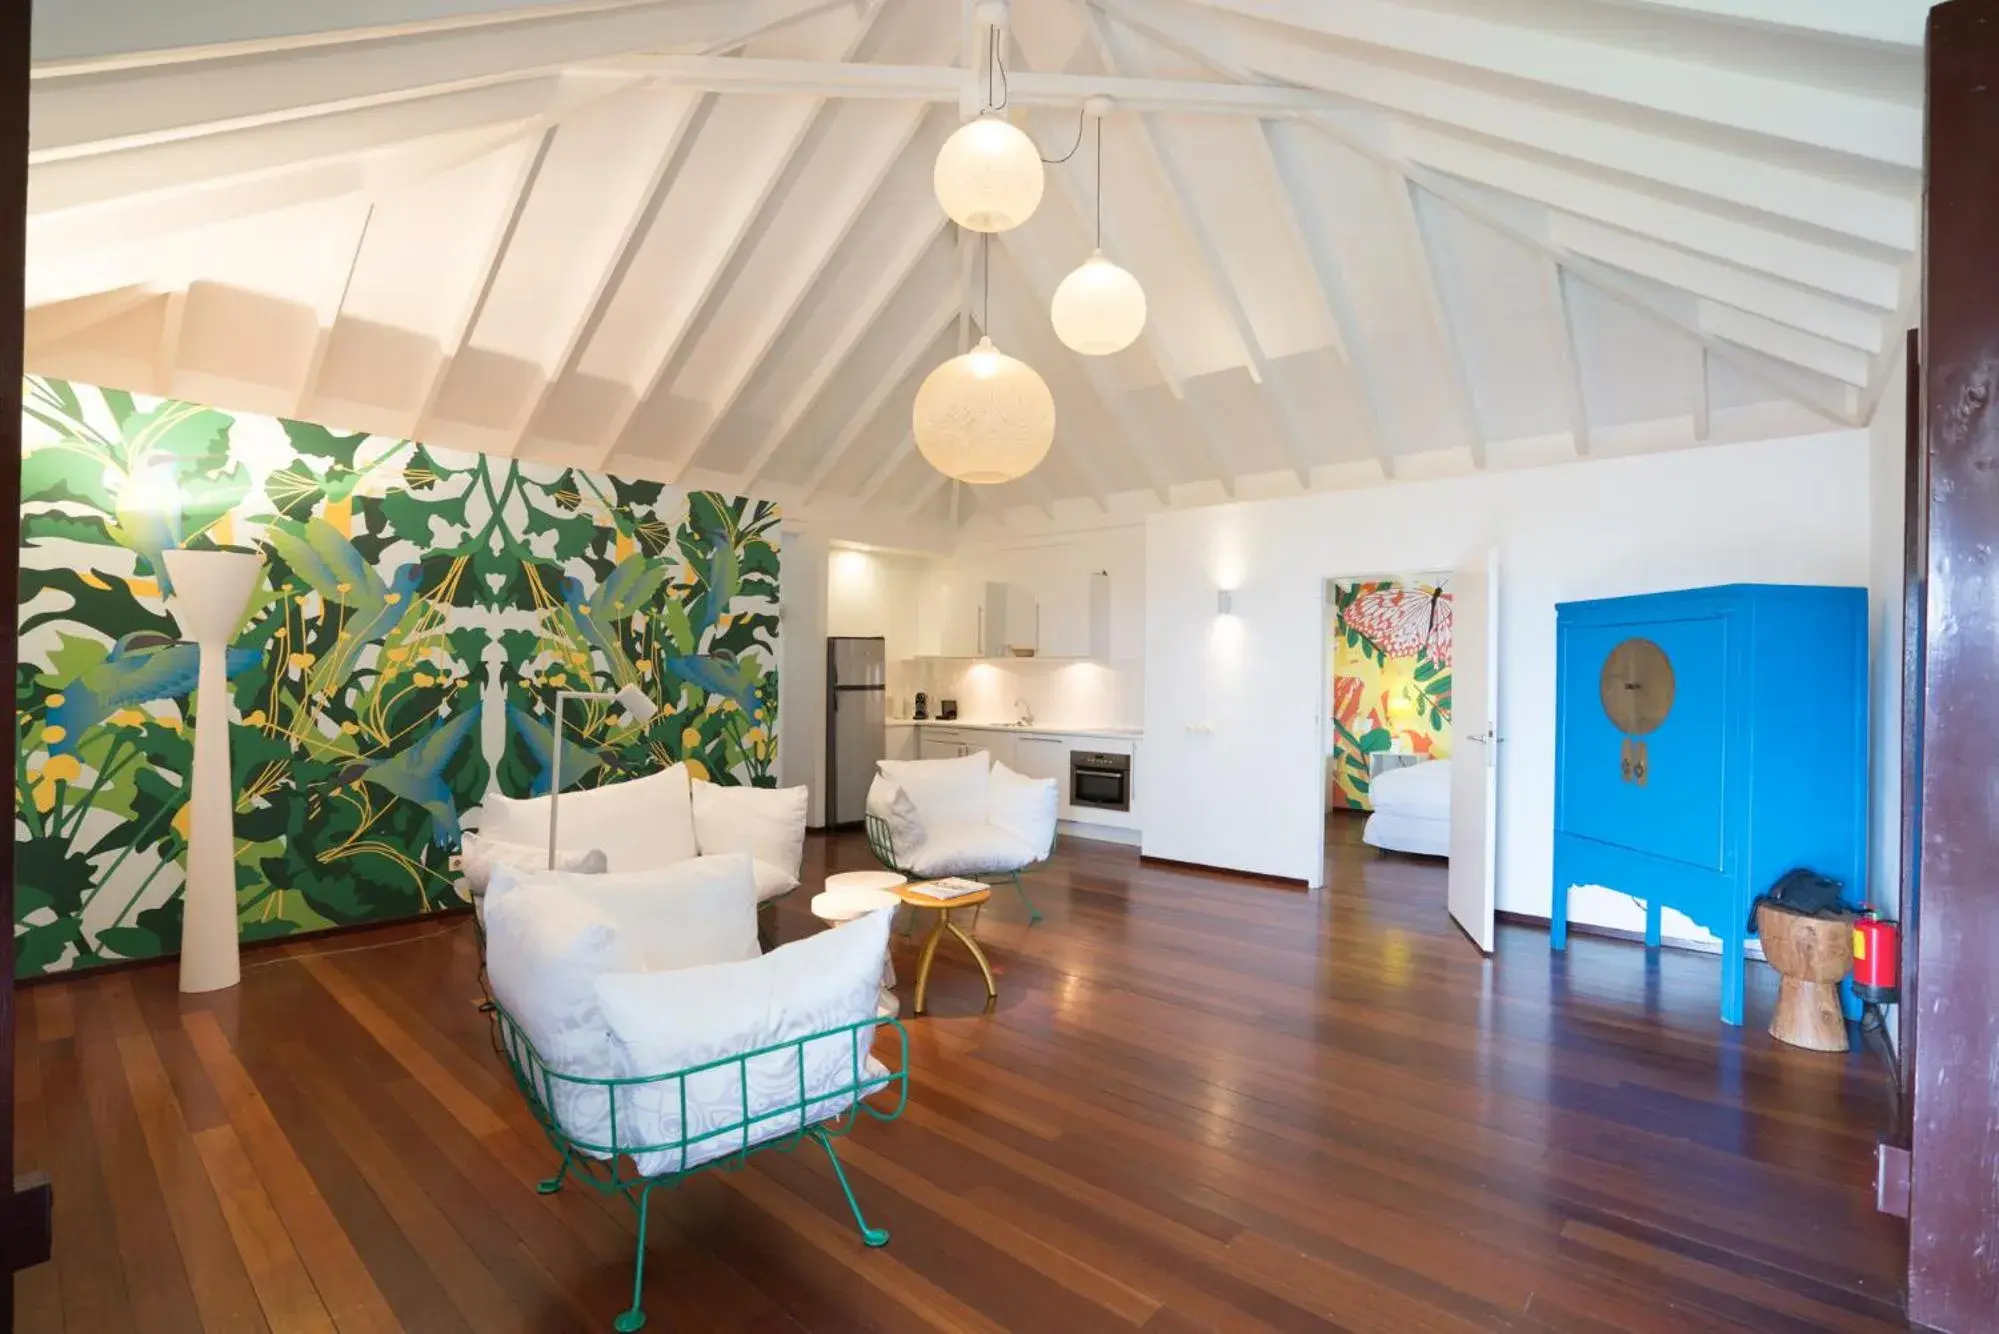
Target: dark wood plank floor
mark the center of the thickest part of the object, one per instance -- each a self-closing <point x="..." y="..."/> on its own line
<point x="1202" y="1103"/>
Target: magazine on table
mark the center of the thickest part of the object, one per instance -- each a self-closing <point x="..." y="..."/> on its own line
<point x="952" y="887"/>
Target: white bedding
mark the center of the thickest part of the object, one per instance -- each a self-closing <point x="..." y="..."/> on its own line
<point x="1407" y="833"/>
<point x="1412" y="810"/>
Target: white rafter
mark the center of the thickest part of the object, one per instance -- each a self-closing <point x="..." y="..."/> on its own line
<point x="1888" y="22"/>
<point x="926" y="491"/>
<point x="45" y="326"/>
<point x="1563" y="332"/>
<point x="782" y="312"/>
<point x="942" y="315"/>
<point x="492" y="252"/>
<point x="886" y="469"/>
<point x="166" y="353"/>
<point x="1402" y="201"/>
<point x="327" y="315"/>
<point x="603" y="282"/>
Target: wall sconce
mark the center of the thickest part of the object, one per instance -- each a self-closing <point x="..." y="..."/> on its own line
<point x="1225" y="602"/>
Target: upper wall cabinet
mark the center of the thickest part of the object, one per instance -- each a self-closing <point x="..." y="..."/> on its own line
<point x="1075" y="616"/>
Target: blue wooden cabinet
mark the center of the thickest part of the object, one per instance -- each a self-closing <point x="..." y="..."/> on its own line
<point x="1706" y="742"/>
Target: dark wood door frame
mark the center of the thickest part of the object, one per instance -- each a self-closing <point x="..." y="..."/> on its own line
<point x="1953" y="1002"/>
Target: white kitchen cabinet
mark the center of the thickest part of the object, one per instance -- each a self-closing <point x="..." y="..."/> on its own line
<point x="1075" y="616"/>
<point x="1043" y="757"/>
<point x="1019" y="618"/>
<point x="958" y="618"/>
<point x="940" y="743"/>
<point x="901" y="742"/>
<point x="1000" y="745"/>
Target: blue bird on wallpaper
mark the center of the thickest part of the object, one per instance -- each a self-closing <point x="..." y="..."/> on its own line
<point x="321" y="555"/>
<point x="718" y="673"/>
<point x="627" y="590"/>
<point x="141" y="667"/>
<point x="578" y="760"/>
<point x="416" y="773"/>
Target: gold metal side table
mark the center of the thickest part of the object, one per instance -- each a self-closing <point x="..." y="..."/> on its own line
<point x="916" y="898"/>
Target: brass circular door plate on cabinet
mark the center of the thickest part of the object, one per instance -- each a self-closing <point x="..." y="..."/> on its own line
<point x="1637" y="686"/>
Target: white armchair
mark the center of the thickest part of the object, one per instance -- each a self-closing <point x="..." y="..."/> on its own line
<point x="965" y="817"/>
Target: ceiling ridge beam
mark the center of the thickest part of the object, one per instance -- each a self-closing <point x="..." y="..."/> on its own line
<point x="616" y="260"/>
<point x="98" y="107"/>
<point x="1823" y="118"/>
<point x="1604" y="278"/>
<point x="942" y="316"/>
<point x="1563" y="330"/>
<point x="669" y="349"/>
<point x="788" y="307"/>
<point x="1843" y="207"/>
<point x="326" y="317"/>
<point x="493" y="254"/>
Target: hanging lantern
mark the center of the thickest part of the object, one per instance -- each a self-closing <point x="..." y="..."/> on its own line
<point x="988" y="175"/>
<point x="1098" y="309"/>
<point x="983" y="417"/>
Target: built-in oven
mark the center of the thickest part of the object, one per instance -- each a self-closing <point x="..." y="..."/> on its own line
<point x="1099" y="780"/>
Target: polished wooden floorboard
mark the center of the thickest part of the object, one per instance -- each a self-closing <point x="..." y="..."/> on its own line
<point x="1201" y="1103"/>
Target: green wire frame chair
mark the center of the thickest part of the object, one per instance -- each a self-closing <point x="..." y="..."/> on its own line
<point x="882" y="843"/>
<point x="610" y="1168"/>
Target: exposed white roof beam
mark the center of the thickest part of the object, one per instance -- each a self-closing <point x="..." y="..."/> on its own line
<point x="781" y="311"/>
<point x="1783" y="254"/>
<point x="1402" y="200"/>
<point x="104" y="105"/>
<point x="1703" y="403"/>
<point x="1338" y="304"/>
<point x="327" y="314"/>
<point x="45" y="326"/>
<point x="1555" y="283"/>
<point x="886" y="469"/>
<point x="1785" y="343"/>
<point x="1885" y="22"/>
<point x="166" y="353"/>
<point x="1364" y="135"/>
<point x="604" y="281"/>
<point x="494" y="251"/>
<point x="1814" y="115"/>
<point x="924" y="333"/>
<point x="1840" y="205"/>
<point x="927" y="490"/>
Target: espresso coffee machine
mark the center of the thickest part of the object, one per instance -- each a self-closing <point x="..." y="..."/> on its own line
<point x="922" y="706"/>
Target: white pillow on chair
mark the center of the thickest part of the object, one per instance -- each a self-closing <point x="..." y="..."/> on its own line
<point x="891" y="805"/>
<point x="697" y="912"/>
<point x="478" y="855"/>
<point x="1026" y="808"/>
<point x="669" y="1021"/>
<point x="969" y="849"/>
<point x="639" y="823"/>
<point x="950" y="791"/>
<point x="767" y="823"/>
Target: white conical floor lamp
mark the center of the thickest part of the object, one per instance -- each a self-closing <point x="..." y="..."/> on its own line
<point x="211" y="591"/>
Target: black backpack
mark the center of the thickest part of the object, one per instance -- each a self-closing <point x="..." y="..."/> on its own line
<point x="1803" y="891"/>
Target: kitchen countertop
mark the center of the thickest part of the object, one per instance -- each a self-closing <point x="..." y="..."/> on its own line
<point x="1121" y="733"/>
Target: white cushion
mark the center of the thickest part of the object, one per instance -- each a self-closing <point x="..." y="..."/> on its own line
<point x="640" y="823"/>
<point x="1025" y="807"/>
<point x="944" y="791"/>
<point x="545" y="950"/>
<point x="888" y="803"/>
<point x="478" y="855"/>
<point x="701" y="911"/>
<point x="970" y="849"/>
<point x="668" y="1022"/>
<point x="767" y="823"/>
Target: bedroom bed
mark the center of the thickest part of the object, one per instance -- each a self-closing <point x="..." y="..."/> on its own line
<point x="1412" y="809"/>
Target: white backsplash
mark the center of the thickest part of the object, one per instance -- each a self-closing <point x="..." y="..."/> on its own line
<point x="1060" y="693"/>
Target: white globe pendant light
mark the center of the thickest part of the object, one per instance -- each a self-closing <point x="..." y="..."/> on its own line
<point x="984" y="417"/>
<point x="1099" y="308"/>
<point x="988" y="175"/>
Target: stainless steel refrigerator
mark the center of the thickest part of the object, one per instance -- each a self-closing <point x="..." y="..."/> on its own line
<point x="856" y="719"/>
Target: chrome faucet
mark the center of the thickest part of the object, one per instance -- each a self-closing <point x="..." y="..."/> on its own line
<point x="1026" y="718"/>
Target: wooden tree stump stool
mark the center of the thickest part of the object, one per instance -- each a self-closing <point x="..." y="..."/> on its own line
<point x="1811" y="954"/>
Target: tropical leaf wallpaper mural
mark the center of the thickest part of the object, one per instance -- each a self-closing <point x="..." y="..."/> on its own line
<point x="1391" y="678"/>
<point x="418" y="611"/>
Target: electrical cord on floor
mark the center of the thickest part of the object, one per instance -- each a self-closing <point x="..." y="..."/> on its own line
<point x="1874" y="1020"/>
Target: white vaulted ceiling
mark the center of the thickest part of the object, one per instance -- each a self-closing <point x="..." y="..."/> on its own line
<point x="697" y="241"/>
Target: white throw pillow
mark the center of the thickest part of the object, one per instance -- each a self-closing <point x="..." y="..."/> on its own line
<point x="888" y="803"/>
<point x="970" y="849"/>
<point x="545" y="950"/>
<point x="945" y="791"/>
<point x="478" y="855"/>
<point x="700" y="911"/>
<point x="669" y="1022"/>
<point x="1025" y="807"/>
<point x="767" y="823"/>
<point x="639" y="823"/>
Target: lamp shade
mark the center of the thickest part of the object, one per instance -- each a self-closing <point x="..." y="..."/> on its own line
<point x="1098" y="309"/>
<point x="983" y="417"/>
<point x="988" y="176"/>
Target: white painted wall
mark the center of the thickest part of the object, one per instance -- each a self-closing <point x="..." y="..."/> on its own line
<point x="1246" y="793"/>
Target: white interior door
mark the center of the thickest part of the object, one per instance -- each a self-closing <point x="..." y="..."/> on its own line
<point x="1474" y="746"/>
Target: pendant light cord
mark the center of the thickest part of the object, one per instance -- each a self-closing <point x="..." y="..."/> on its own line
<point x="1100" y="182"/>
<point x="986" y="284"/>
<point x="998" y="95"/>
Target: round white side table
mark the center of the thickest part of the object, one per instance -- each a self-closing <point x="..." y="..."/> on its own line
<point x="852" y="894"/>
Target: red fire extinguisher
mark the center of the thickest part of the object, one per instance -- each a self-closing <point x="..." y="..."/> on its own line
<point x="1877" y="949"/>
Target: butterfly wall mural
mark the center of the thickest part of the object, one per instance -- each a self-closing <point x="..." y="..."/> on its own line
<point x="1391" y="677"/>
<point x="419" y="609"/>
